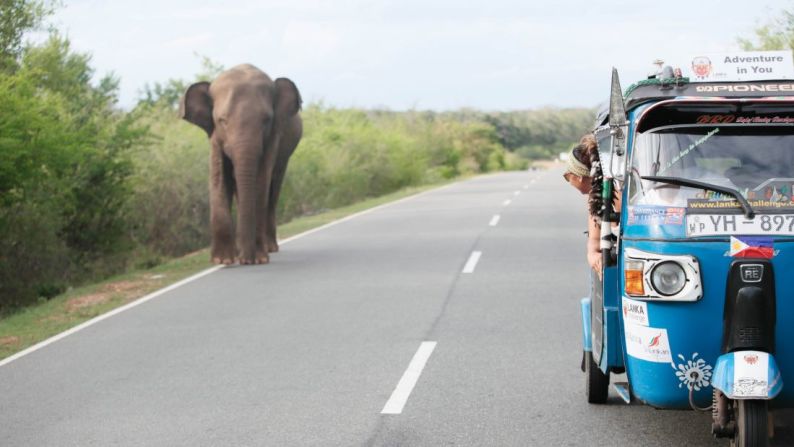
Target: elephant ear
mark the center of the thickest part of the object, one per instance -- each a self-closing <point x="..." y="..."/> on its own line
<point x="288" y="99"/>
<point x="196" y="106"/>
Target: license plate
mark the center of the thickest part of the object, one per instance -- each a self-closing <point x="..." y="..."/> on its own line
<point x="732" y="224"/>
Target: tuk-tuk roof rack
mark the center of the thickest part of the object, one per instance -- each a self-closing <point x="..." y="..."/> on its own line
<point x="655" y="89"/>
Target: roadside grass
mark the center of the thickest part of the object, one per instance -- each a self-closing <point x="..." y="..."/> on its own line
<point x="36" y="323"/>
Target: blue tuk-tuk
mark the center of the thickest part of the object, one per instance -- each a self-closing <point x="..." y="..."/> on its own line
<point x="697" y="238"/>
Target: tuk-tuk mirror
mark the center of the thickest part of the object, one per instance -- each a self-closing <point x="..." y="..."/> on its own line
<point x="618" y="128"/>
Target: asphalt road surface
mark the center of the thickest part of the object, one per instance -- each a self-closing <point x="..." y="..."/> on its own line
<point x="309" y="349"/>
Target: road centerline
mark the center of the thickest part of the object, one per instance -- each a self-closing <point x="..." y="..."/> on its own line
<point x="507" y="202"/>
<point x="494" y="220"/>
<point x="472" y="262"/>
<point x="405" y="386"/>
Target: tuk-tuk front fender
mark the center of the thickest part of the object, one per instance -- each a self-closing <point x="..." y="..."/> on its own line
<point x="747" y="375"/>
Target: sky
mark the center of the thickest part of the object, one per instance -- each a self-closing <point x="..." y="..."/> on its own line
<point x="410" y="54"/>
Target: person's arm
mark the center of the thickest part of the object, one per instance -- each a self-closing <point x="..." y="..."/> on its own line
<point x="594" y="245"/>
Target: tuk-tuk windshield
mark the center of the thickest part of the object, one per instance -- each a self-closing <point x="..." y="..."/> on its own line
<point x="757" y="161"/>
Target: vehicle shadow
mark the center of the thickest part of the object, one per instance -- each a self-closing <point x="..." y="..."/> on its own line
<point x="784" y="427"/>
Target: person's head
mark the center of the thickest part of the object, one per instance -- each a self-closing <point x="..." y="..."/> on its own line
<point x="577" y="172"/>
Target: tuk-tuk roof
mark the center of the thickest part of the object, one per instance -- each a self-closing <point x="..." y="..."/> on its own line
<point x="655" y="89"/>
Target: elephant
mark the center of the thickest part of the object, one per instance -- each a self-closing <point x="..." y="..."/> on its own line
<point x="253" y="125"/>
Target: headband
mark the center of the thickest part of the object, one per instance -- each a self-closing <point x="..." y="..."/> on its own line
<point x="576" y="167"/>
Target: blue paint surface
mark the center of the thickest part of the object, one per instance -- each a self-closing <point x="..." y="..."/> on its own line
<point x="587" y="342"/>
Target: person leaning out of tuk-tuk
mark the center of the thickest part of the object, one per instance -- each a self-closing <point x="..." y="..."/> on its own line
<point x="583" y="172"/>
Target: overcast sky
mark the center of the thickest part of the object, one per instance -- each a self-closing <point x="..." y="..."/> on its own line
<point x="400" y="54"/>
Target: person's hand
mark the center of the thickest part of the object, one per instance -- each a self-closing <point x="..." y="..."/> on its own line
<point x="594" y="259"/>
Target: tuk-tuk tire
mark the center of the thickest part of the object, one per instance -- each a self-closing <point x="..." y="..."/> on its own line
<point x="597" y="383"/>
<point x="752" y="419"/>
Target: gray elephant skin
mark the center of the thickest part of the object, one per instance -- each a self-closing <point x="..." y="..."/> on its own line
<point x="254" y="125"/>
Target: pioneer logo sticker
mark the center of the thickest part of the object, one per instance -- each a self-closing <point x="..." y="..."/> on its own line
<point x="745" y="88"/>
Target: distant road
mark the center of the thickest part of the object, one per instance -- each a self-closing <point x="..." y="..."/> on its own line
<point x="450" y="318"/>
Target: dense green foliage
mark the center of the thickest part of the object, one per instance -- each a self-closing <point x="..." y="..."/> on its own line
<point x="16" y="18"/>
<point x="88" y="189"/>
<point x="63" y="173"/>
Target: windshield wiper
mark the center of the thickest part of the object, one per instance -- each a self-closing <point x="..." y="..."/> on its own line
<point x="748" y="210"/>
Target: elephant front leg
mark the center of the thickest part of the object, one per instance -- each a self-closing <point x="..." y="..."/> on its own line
<point x="248" y="176"/>
<point x="223" y="248"/>
<point x="275" y="191"/>
<point x="263" y="230"/>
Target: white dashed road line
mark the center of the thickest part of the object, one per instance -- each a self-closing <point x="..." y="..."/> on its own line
<point x="526" y="186"/>
<point x="400" y="395"/>
<point x="506" y="202"/>
<point x="472" y="262"/>
<point x="516" y="193"/>
<point x="494" y="220"/>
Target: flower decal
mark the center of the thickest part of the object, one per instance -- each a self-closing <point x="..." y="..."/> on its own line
<point x="694" y="373"/>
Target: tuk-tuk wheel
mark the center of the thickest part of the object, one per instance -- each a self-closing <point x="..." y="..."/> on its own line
<point x="752" y="429"/>
<point x="597" y="385"/>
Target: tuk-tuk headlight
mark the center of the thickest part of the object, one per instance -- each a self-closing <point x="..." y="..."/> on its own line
<point x="668" y="278"/>
<point x="658" y="277"/>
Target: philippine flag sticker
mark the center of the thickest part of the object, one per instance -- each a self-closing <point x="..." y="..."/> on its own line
<point x="752" y="247"/>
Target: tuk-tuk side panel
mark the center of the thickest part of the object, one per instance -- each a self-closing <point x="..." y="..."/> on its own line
<point x="612" y="356"/>
<point x="612" y="340"/>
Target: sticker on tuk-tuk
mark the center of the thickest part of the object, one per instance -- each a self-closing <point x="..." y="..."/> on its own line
<point x="655" y="215"/>
<point x="750" y="374"/>
<point x="647" y="343"/>
<point x="635" y="312"/>
<point x="694" y="373"/>
<point x="752" y="247"/>
<point x="777" y="202"/>
<point x="738" y="66"/>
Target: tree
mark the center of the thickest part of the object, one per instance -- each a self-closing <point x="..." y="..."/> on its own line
<point x="777" y="34"/>
<point x="16" y="18"/>
<point x="63" y="173"/>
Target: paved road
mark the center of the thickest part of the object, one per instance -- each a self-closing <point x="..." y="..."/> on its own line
<point x="308" y="350"/>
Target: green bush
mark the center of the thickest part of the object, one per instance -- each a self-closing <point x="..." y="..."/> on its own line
<point x="348" y="155"/>
<point x="63" y="174"/>
<point x="33" y="256"/>
<point x="168" y="211"/>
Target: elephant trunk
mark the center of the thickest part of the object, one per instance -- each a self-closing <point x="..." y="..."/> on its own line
<point x="246" y="168"/>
